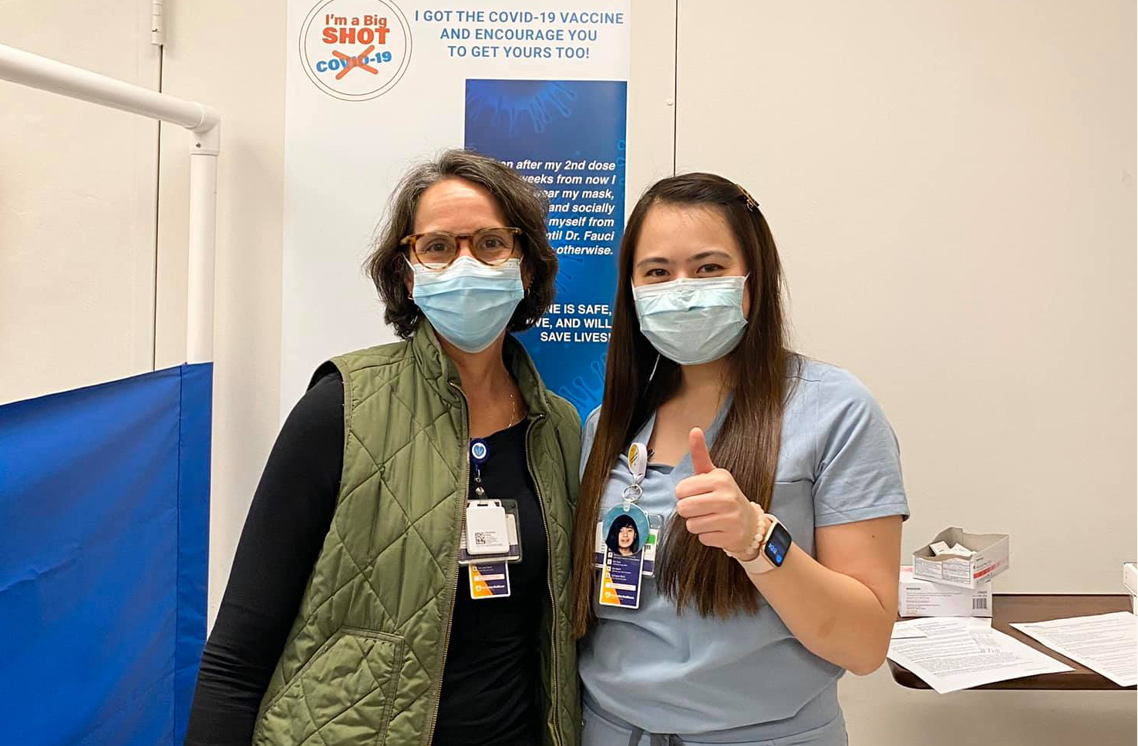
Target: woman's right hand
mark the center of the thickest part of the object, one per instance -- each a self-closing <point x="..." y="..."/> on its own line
<point x="712" y="505"/>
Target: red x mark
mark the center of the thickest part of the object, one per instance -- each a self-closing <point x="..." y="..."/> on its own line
<point x="354" y="62"/>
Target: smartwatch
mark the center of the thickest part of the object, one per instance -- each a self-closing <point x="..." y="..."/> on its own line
<point x="772" y="551"/>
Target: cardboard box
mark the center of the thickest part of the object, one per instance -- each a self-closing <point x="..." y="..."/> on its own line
<point x="991" y="557"/>
<point x="916" y="597"/>
<point x="1130" y="580"/>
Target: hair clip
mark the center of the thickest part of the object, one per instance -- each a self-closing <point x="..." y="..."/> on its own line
<point x="752" y="205"/>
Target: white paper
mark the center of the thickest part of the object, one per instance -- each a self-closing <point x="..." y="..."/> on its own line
<point x="963" y="653"/>
<point x="906" y="631"/>
<point x="941" y="549"/>
<point x="1104" y="643"/>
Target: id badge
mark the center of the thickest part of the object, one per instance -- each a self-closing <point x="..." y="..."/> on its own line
<point x="487" y="532"/>
<point x="621" y="580"/>
<point x="490" y="580"/>
<point x="625" y="529"/>
<point x="513" y="554"/>
<point x="624" y="535"/>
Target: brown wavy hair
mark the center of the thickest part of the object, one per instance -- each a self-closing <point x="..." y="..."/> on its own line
<point x="694" y="575"/>
<point x="524" y="205"/>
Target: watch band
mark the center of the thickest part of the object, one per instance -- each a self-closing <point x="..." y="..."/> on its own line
<point x="762" y="563"/>
<point x="760" y="535"/>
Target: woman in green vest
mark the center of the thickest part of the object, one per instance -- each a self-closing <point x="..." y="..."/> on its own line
<point x="352" y="616"/>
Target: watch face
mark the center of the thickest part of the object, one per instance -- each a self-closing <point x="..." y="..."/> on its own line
<point x="778" y="545"/>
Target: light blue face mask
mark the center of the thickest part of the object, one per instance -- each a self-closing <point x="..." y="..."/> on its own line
<point x="692" y="320"/>
<point x="469" y="303"/>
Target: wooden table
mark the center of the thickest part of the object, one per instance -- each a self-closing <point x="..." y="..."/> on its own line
<point x="1008" y="608"/>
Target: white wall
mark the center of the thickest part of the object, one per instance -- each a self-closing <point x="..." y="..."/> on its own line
<point x="952" y="188"/>
<point x="78" y="190"/>
<point x="231" y="56"/>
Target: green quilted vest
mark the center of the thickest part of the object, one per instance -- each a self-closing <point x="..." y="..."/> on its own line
<point x="364" y="661"/>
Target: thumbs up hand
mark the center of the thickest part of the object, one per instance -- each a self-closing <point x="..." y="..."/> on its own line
<point x="713" y="506"/>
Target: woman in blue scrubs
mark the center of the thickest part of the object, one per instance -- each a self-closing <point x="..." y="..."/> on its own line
<point x="775" y="479"/>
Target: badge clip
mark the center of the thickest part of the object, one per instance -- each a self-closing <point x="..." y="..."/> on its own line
<point x="479" y="452"/>
<point x="638" y="462"/>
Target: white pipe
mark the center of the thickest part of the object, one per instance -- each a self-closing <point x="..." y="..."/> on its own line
<point x="205" y="124"/>
<point x="75" y="82"/>
<point x="157" y="24"/>
<point x="200" y="275"/>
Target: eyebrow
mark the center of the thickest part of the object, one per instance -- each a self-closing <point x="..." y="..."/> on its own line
<point x="701" y="256"/>
<point x="652" y="260"/>
<point x="713" y="254"/>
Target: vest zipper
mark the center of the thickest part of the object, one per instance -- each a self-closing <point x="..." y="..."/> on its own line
<point x="457" y="540"/>
<point x="554" y="645"/>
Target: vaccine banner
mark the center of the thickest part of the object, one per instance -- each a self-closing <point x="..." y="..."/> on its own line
<point x="576" y="154"/>
<point x="376" y="86"/>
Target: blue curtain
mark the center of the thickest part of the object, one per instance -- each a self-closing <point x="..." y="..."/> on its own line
<point x="104" y="537"/>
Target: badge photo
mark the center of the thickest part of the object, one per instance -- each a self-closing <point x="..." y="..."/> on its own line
<point x="655" y="526"/>
<point x="625" y="530"/>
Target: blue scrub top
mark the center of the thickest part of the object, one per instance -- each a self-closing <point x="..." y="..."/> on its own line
<point x="745" y="678"/>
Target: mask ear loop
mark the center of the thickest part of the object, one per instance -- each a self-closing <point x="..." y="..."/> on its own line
<point x="411" y="292"/>
<point x="656" y="364"/>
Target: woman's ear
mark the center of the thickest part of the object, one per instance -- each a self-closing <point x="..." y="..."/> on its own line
<point x="408" y="277"/>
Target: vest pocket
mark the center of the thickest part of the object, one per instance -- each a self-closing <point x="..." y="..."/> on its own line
<point x="344" y="693"/>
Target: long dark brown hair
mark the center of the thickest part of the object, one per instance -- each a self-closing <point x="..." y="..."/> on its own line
<point x="694" y="575"/>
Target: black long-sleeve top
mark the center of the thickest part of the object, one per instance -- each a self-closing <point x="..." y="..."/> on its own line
<point x="490" y="688"/>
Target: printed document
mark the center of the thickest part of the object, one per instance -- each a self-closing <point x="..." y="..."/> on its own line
<point x="959" y="653"/>
<point x="1104" y="643"/>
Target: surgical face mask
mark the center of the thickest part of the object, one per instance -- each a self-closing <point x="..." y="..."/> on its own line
<point x="469" y="303"/>
<point x="692" y="321"/>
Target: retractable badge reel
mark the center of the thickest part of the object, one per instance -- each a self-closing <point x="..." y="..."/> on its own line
<point x="489" y="539"/>
<point x="625" y="538"/>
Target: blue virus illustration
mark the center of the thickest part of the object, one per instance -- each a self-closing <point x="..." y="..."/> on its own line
<point x="586" y="390"/>
<point x="524" y="104"/>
